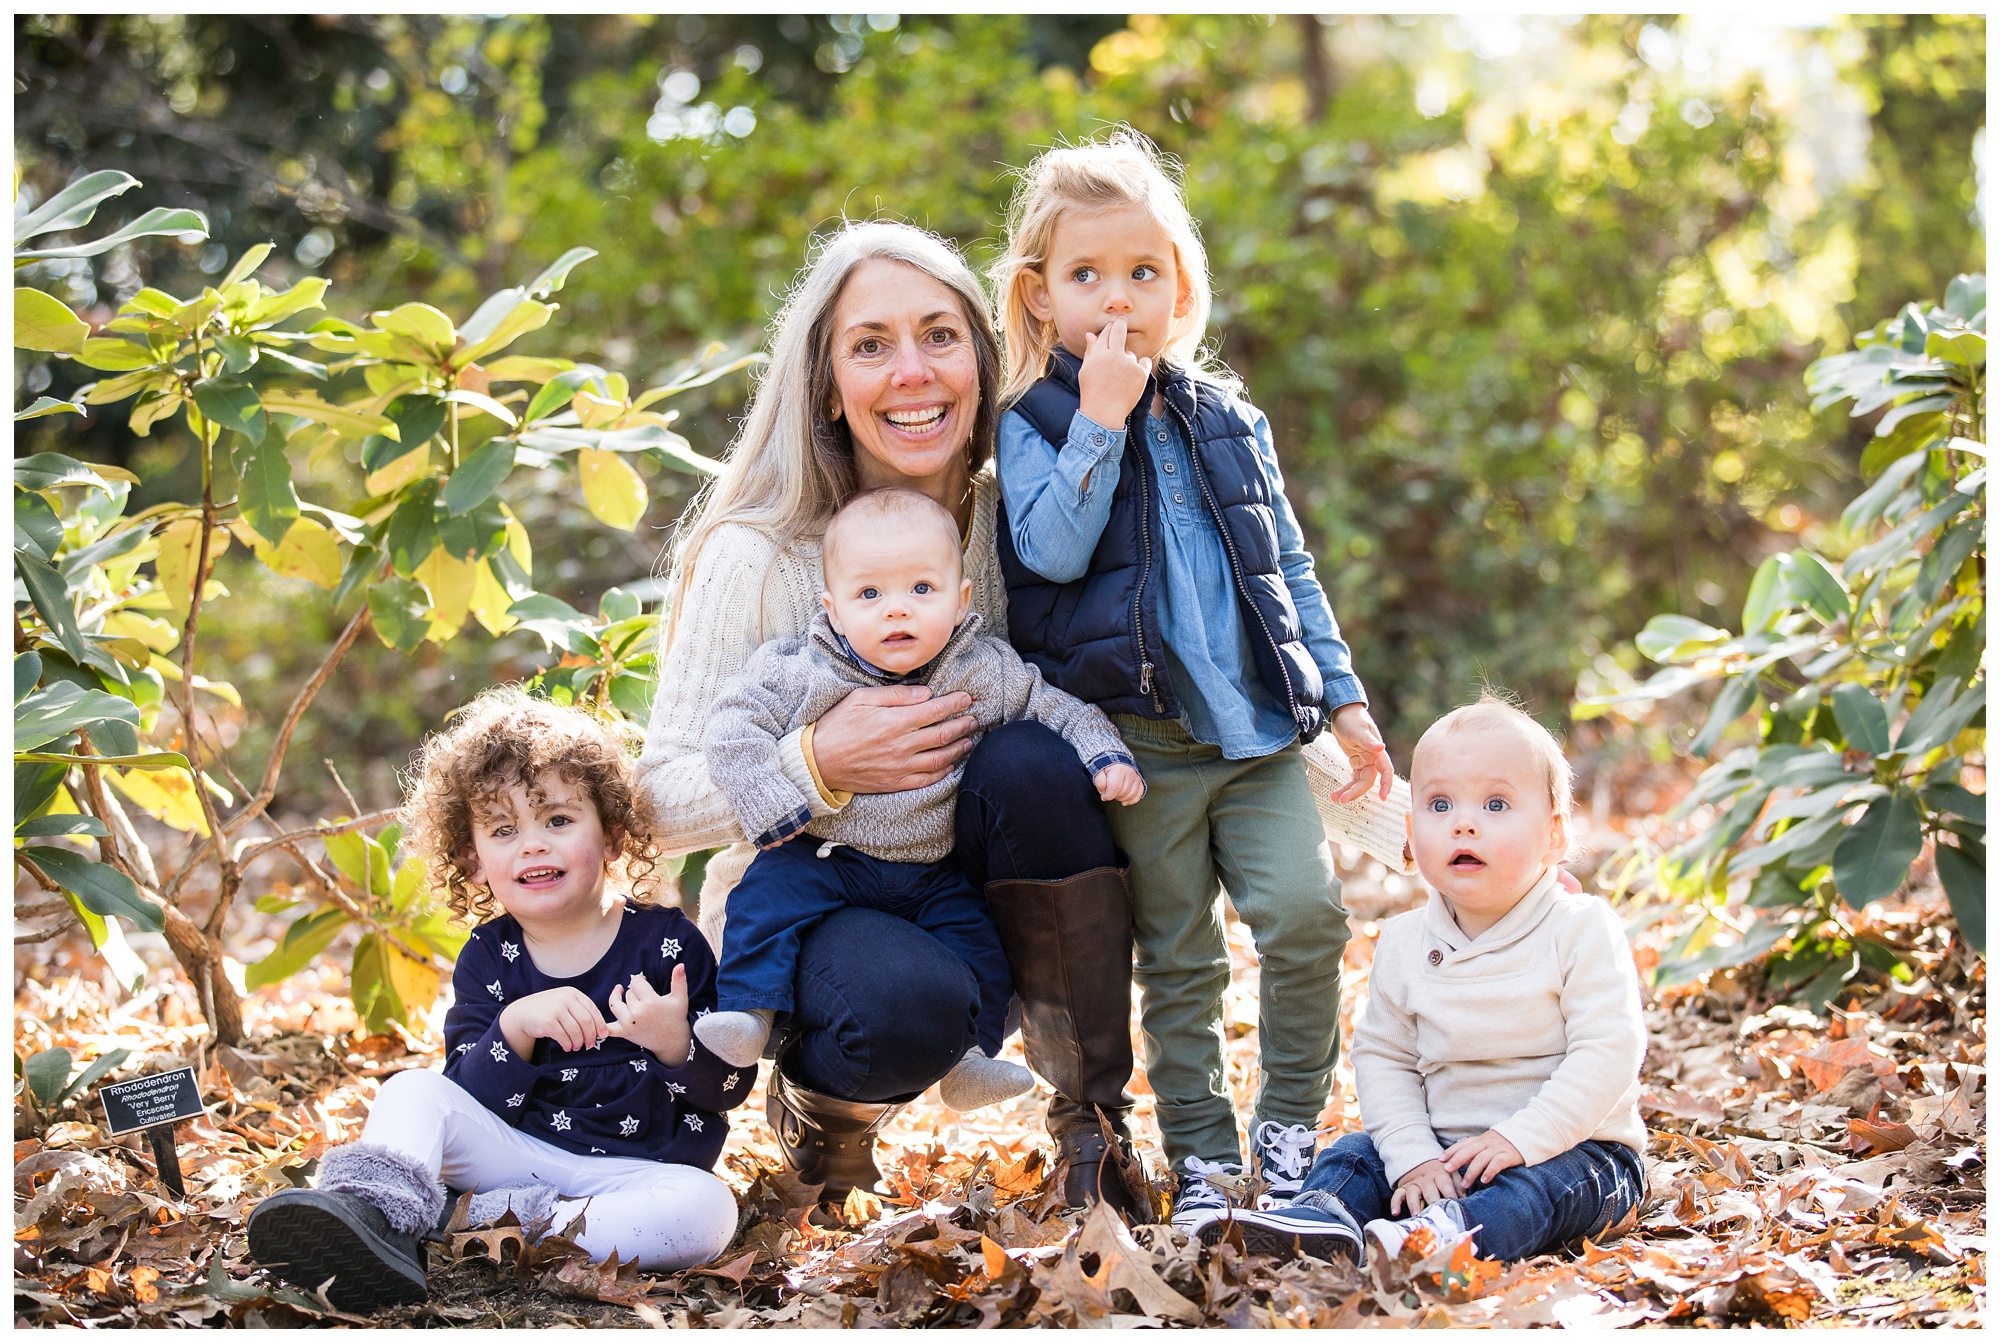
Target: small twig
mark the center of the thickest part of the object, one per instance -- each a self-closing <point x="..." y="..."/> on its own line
<point x="268" y="787"/>
<point x="47" y="934"/>
<point x="93" y="787"/>
<point x="41" y="877"/>
<point x="41" y="911"/>
<point x="136" y="851"/>
<point x="330" y="887"/>
<point x="286" y="840"/>
<point x="353" y="807"/>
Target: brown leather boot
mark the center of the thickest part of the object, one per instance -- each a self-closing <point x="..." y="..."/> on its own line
<point x="1069" y="945"/>
<point x="825" y="1139"/>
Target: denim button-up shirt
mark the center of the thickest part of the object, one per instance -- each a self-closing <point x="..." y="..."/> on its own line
<point x="1057" y="503"/>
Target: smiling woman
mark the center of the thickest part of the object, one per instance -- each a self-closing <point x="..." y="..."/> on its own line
<point x="884" y="372"/>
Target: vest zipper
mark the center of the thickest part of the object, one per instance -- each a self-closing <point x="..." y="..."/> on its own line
<point x="1135" y="432"/>
<point x="1236" y="568"/>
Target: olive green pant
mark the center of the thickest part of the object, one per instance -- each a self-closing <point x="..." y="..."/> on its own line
<point x="1205" y="823"/>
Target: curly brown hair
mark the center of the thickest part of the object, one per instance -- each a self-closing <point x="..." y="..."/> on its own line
<point x="505" y="737"/>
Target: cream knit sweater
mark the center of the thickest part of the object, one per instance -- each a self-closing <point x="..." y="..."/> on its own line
<point x="744" y="590"/>
<point x="1533" y="1029"/>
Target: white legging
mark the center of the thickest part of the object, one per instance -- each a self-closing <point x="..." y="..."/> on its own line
<point x="666" y="1216"/>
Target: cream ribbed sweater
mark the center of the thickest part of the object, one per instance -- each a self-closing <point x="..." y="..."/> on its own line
<point x="744" y="590"/>
<point x="1533" y="1029"/>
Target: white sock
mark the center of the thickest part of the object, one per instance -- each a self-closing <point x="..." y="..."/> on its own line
<point x="737" y="1038"/>
<point x="976" y="1080"/>
<point x="531" y="1203"/>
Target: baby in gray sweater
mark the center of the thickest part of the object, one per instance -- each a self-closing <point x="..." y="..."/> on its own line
<point x="898" y="611"/>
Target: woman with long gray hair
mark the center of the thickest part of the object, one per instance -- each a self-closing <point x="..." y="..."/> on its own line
<point x="884" y="371"/>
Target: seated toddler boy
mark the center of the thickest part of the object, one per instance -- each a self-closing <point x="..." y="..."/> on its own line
<point x="898" y="611"/>
<point x="1497" y="1061"/>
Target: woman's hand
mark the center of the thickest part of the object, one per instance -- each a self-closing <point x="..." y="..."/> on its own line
<point x="1481" y="1158"/>
<point x="889" y="739"/>
<point x="656" y="1022"/>
<point x="565" y="1015"/>
<point x="1361" y="741"/>
<point x="1422" y="1186"/>
<point x="1112" y="378"/>
<point x="1119" y="783"/>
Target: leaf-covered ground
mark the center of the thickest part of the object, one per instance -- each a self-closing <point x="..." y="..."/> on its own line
<point x="1823" y="1170"/>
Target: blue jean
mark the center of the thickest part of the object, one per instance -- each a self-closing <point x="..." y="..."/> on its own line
<point x="1522" y="1211"/>
<point x="880" y="1008"/>
<point x="789" y="889"/>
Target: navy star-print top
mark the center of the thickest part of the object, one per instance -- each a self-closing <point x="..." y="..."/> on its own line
<point x="615" y="1099"/>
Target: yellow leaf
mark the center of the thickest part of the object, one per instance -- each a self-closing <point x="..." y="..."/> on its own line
<point x="451" y="583"/>
<point x="309" y="551"/>
<point x="593" y="411"/>
<point x="164" y="794"/>
<point x="158" y="635"/>
<point x="420" y="322"/>
<point x="490" y="601"/>
<point x="348" y="420"/>
<point x="412" y="465"/>
<point x="220" y="689"/>
<point x="416" y="982"/>
<point x="517" y="541"/>
<point x="612" y="490"/>
<point x="176" y="562"/>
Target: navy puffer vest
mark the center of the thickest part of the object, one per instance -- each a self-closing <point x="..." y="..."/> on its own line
<point x="1098" y="637"/>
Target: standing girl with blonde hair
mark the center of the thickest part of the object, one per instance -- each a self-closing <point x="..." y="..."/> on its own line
<point x="1155" y="568"/>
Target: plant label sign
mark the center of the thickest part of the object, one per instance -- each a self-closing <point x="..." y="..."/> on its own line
<point x="157" y="1098"/>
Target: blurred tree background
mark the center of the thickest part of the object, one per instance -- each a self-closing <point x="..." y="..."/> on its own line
<point x="1528" y="300"/>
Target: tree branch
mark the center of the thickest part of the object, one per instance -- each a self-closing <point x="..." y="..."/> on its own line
<point x="267" y="788"/>
<point x="287" y="840"/>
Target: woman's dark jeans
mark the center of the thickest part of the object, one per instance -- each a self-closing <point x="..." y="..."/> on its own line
<point x="881" y="1008"/>
<point x="1522" y="1211"/>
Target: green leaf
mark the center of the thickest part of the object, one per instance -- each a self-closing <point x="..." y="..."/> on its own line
<point x="1760" y="606"/>
<point x="1669" y="637"/>
<point x="74" y="205"/>
<point x="42" y="322"/>
<point x="246" y="266"/>
<point x="1731" y="703"/>
<point x="1947" y="557"/>
<point x="361" y="568"/>
<point x="1940" y="717"/>
<point x="50" y="595"/>
<point x="551" y="617"/>
<point x="1955" y="800"/>
<point x="114" y="354"/>
<point x="412" y="532"/>
<point x="37" y="529"/>
<point x="557" y="391"/>
<point x="372" y="986"/>
<point x="58" y="710"/>
<point x="634" y="695"/>
<point x="27" y="673"/>
<point x="617" y="604"/>
<point x="1962" y="871"/>
<point x="238" y="352"/>
<point x="476" y="534"/>
<point x="48" y="405"/>
<point x="47" y="470"/>
<point x="233" y="406"/>
<point x="1919" y="431"/>
<point x="102" y="888"/>
<point x="400" y="611"/>
<point x="478" y="476"/>
<point x="417" y="419"/>
<point x="151" y="224"/>
<point x="1809" y="579"/>
<point x="46" y="1073"/>
<point x="1873" y="858"/>
<point x="271" y="308"/>
<point x="1863" y="719"/>
<point x="1965" y="297"/>
<point x="35" y="785"/>
<point x="524" y="316"/>
<point x="304" y="940"/>
<point x="362" y="860"/>
<point x="482" y="403"/>
<point x="551" y="279"/>
<point x="1868" y="505"/>
<point x="265" y="493"/>
<point x="97" y="1069"/>
<point x="46" y="827"/>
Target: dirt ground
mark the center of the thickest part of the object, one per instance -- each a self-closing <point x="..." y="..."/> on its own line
<point x="1805" y="1169"/>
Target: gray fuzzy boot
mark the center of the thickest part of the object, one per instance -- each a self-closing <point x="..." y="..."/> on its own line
<point x="407" y="1194"/>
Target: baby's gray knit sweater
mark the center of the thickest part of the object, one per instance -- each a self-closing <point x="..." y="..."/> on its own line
<point x="793" y="681"/>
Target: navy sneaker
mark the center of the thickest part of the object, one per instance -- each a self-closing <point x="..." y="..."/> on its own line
<point x="1283" y="1153"/>
<point x="1288" y="1232"/>
<point x="1195" y="1199"/>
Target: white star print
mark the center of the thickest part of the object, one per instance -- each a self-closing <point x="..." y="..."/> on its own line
<point x="569" y="1074"/>
<point x="731" y="1080"/>
<point x="559" y="1121"/>
<point x="514" y="1101"/>
<point x="627" y="1126"/>
<point x="509" y="950"/>
<point x="693" y="1122"/>
<point x="677" y="1088"/>
<point x="499" y="1052"/>
<point x="465" y="1048"/>
<point x="702" y="1012"/>
<point x="671" y="948"/>
<point x="494" y="989"/>
<point x="597" y="1151"/>
<point x="638" y="1065"/>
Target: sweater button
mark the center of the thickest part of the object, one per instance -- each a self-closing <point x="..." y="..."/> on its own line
<point x="1437" y="957"/>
